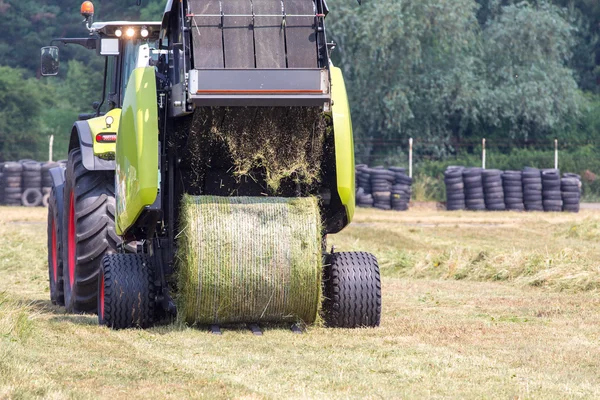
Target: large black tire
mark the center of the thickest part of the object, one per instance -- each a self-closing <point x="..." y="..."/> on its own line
<point x="127" y="294"/>
<point x="89" y="231"/>
<point x="55" y="260"/>
<point x="352" y="289"/>
<point x="31" y="197"/>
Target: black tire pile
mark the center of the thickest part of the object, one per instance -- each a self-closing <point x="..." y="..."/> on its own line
<point x="474" y="197"/>
<point x="32" y="184"/>
<point x="383" y="188"/>
<point x="570" y="187"/>
<point x="551" y="194"/>
<point x="401" y="189"/>
<point x="512" y="183"/>
<point x="12" y="183"/>
<point x="455" y="188"/>
<point x="26" y="182"/>
<point x="364" y="198"/>
<point x="532" y="189"/>
<point x="494" y="190"/>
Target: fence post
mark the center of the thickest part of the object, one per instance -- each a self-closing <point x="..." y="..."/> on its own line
<point x="555" y="153"/>
<point x="50" y="148"/>
<point x="410" y="141"/>
<point x="483" y="153"/>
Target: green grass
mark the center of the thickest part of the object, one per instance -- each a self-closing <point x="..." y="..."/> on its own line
<point x="462" y="318"/>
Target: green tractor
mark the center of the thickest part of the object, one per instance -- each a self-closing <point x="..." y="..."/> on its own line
<point x="114" y="211"/>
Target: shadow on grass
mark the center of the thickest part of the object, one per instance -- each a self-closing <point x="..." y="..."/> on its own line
<point x="59" y="314"/>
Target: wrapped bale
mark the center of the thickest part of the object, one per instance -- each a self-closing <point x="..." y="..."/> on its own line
<point x="249" y="259"/>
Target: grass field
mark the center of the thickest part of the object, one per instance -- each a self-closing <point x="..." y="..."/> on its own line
<point x="476" y="305"/>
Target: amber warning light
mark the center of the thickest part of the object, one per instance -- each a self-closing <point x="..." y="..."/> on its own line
<point x="87" y="9"/>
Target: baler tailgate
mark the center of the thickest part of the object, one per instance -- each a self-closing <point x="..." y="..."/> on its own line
<point x="225" y="87"/>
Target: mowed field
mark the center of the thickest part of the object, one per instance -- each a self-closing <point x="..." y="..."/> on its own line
<point x="475" y="305"/>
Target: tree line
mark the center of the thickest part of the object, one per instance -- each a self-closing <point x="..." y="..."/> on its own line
<point x="446" y="72"/>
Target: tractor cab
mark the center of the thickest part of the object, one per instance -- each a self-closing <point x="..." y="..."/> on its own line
<point x="120" y="43"/>
<point x="125" y="45"/>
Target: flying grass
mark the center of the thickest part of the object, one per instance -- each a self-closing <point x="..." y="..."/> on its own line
<point x="284" y="142"/>
<point x="249" y="259"/>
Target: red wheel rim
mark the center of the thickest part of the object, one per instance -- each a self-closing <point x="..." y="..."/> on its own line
<point x="71" y="240"/>
<point x="54" y="251"/>
<point x="102" y="298"/>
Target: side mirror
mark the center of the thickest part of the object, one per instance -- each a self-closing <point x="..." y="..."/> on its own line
<point x="109" y="47"/>
<point x="49" y="61"/>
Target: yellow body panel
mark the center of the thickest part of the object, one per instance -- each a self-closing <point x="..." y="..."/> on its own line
<point x="98" y="125"/>
<point x="344" y="142"/>
<point x="136" y="183"/>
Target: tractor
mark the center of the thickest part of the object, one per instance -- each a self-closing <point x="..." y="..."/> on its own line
<point x="114" y="210"/>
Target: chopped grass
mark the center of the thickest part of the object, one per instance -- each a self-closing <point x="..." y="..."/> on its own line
<point x="284" y="142"/>
<point x="559" y="251"/>
<point x="249" y="259"/>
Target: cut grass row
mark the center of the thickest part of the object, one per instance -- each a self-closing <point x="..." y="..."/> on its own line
<point x="558" y="251"/>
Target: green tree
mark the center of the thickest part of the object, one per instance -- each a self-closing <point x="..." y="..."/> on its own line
<point x="530" y="88"/>
<point x="20" y="108"/>
<point x="411" y="65"/>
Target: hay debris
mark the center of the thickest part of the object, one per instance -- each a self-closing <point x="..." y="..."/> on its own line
<point x="283" y="142"/>
<point x="249" y="259"/>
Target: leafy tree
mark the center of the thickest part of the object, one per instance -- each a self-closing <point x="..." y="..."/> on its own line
<point x="20" y="107"/>
<point x="410" y="65"/>
<point x="530" y="89"/>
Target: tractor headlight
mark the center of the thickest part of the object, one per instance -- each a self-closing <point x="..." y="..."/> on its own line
<point x="144" y="32"/>
<point x="109" y="121"/>
<point x="118" y="32"/>
<point x="130" y="32"/>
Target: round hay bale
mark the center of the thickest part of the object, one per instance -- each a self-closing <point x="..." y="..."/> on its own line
<point x="249" y="259"/>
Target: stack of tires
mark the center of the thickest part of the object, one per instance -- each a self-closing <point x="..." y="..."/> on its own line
<point x="32" y="184"/>
<point x="363" y="177"/>
<point x="532" y="189"/>
<point x="474" y="198"/>
<point x="570" y="187"/>
<point x="551" y="190"/>
<point x="12" y="183"/>
<point x="493" y="190"/>
<point x="401" y="189"/>
<point x="455" y="188"/>
<point x="381" y="187"/>
<point x="512" y="183"/>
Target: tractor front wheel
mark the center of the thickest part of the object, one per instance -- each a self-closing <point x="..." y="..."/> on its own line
<point x="126" y="292"/>
<point x="352" y="290"/>
<point x="88" y="231"/>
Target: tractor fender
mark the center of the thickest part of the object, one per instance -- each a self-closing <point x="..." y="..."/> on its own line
<point x="344" y="142"/>
<point x="58" y="181"/>
<point x="58" y="176"/>
<point x="81" y="136"/>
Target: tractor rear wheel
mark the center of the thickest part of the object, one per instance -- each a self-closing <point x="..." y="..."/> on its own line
<point x="55" y="261"/>
<point x="126" y="292"/>
<point x="352" y="290"/>
<point x="88" y="231"/>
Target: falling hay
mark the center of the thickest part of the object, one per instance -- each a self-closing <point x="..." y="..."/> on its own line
<point x="249" y="259"/>
<point x="284" y="142"/>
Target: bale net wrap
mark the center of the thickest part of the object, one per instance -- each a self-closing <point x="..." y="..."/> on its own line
<point x="249" y="259"/>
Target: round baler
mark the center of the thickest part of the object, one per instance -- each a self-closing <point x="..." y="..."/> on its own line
<point x="233" y="162"/>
